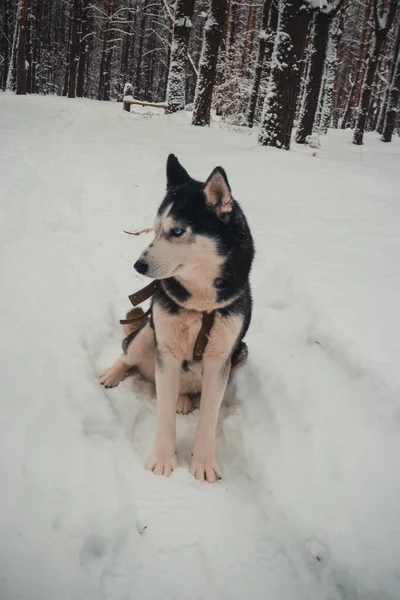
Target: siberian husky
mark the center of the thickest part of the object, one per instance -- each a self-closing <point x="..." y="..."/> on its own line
<point x="201" y="255"/>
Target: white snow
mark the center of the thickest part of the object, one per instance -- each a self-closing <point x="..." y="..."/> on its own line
<point x="309" y="438"/>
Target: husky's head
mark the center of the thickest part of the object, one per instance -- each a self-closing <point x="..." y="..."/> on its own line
<point x="191" y="224"/>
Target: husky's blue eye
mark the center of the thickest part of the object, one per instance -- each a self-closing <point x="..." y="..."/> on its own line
<point x="177" y="232"/>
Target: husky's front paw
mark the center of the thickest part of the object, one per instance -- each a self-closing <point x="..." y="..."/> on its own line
<point x="162" y="461"/>
<point x="204" y="467"/>
<point x="184" y="406"/>
<point x="114" y="375"/>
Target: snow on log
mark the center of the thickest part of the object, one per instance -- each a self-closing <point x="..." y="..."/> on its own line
<point x="129" y="100"/>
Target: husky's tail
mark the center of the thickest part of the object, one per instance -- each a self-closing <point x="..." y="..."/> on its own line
<point x="132" y="328"/>
<point x="239" y="356"/>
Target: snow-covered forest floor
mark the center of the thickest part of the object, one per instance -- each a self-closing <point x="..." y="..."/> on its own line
<point x="309" y="437"/>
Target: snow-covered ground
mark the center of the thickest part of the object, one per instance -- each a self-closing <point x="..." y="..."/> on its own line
<point x="309" y="437"/>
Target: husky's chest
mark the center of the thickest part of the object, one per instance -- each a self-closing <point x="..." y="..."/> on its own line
<point x="177" y="333"/>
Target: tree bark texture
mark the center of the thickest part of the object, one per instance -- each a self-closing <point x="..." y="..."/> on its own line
<point x="103" y="92"/>
<point x="74" y="49"/>
<point x="393" y="99"/>
<point x="176" y="86"/>
<point x="138" y="89"/>
<point x="380" y="34"/>
<point x="83" y="47"/>
<point x="208" y="62"/>
<point x="314" y="81"/>
<point x="329" y="82"/>
<point x="4" y="42"/>
<point x="384" y="107"/>
<point x="269" y="24"/>
<point x="22" y="72"/>
<point x="284" y="83"/>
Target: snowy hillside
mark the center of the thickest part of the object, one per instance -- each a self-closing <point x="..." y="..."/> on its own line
<point x="309" y="437"/>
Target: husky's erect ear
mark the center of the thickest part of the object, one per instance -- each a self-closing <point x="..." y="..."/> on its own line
<point x="218" y="192"/>
<point x="176" y="174"/>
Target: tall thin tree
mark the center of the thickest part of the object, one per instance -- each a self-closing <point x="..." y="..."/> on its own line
<point x="10" y="81"/>
<point x="22" y="71"/>
<point x="74" y="48"/>
<point x="393" y="97"/>
<point x="384" y="106"/>
<point x="213" y="30"/>
<point x="103" y="92"/>
<point x="284" y="82"/>
<point x="383" y="19"/>
<point x="323" y="19"/>
<point x="323" y="118"/>
<point x="269" y="21"/>
<point x="176" y="85"/>
<point x="83" y="47"/>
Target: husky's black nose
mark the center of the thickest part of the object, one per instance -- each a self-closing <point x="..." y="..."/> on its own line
<point x="141" y="266"/>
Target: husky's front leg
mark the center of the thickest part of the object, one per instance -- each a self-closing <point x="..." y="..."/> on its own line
<point x="163" y="459"/>
<point x="215" y="377"/>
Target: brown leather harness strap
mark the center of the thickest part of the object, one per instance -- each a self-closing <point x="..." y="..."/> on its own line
<point x="145" y="293"/>
<point x="204" y="334"/>
<point x="136" y="316"/>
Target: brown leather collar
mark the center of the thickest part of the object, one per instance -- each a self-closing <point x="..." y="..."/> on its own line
<point x="140" y="318"/>
<point x="145" y="293"/>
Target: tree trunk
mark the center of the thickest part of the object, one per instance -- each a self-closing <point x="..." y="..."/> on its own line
<point x="366" y="91"/>
<point x="393" y="101"/>
<point x="317" y="62"/>
<point x="176" y="86"/>
<point x="250" y="23"/>
<point x="67" y="58"/>
<point x="226" y="26"/>
<point x="234" y="26"/>
<point x="138" y="90"/>
<point x="384" y="107"/>
<point x="284" y="83"/>
<point x="107" y="75"/>
<point x="151" y="62"/>
<point x="74" y="49"/>
<point x="126" y="49"/>
<point x="331" y="65"/>
<point x="208" y="62"/>
<point x="29" y="51"/>
<point x="22" y="73"/>
<point x="10" y="83"/>
<point x="382" y="26"/>
<point x="100" y="91"/>
<point x="36" y="48"/>
<point x="355" y="90"/>
<point x="266" y="32"/>
<point x="103" y="92"/>
<point x="376" y="94"/>
<point x="4" y="43"/>
<point x="80" y="81"/>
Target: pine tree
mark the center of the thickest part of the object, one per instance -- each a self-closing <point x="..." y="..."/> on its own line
<point x="22" y="71"/>
<point x="213" y="30"/>
<point x="266" y="35"/>
<point x="319" y="43"/>
<point x="104" y="89"/>
<point x="176" y="86"/>
<point x="284" y="82"/>
<point x="327" y="89"/>
<point x="83" y="47"/>
<point x="383" y="21"/>
<point x="392" y="67"/>
<point x="393" y="96"/>
<point x="74" y="48"/>
<point x="10" y="81"/>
